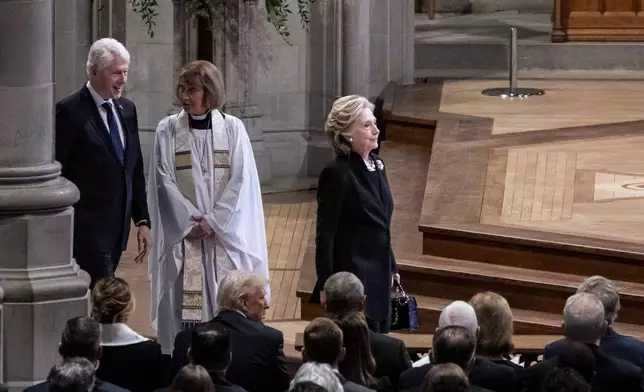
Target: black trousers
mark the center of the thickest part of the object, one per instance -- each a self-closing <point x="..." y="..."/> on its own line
<point x="100" y="265"/>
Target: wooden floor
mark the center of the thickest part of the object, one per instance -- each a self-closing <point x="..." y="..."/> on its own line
<point x="289" y="219"/>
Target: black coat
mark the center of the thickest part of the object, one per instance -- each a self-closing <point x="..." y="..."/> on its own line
<point x="110" y="193"/>
<point x="258" y="362"/>
<point x="611" y="374"/>
<point x="353" y="229"/>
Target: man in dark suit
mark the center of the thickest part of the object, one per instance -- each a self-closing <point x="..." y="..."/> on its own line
<point x="612" y="343"/>
<point x="323" y="343"/>
<point x="258" y="363"/>
<point x="81" y="338"/>
<point x="97" y="144"/>
<point x="455" y="344"/>
<point x="343" y="293"/>
<point x="584" y="322"/>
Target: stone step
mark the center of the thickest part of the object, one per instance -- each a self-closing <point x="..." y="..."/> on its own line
<point x="477" y="46"/>
<point x="542" y="291"/>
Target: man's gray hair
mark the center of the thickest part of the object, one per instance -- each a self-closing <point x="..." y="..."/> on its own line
<point x="320" y="374"/>
<point x="607" y="293"/>
<point x="72" y="375"/>
<point x="344" y="293"/>
<point x="459" y="314"/>
<point x="584" y="318"/>
<point x="236" y="286"/>
<point x="102" y="52"/>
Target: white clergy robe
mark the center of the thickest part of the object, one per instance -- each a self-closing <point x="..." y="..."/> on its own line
<point x="229" y="200"/>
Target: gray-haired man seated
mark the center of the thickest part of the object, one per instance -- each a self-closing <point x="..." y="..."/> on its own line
<point x="72" y="375"/>
<point x="344" y="294"/>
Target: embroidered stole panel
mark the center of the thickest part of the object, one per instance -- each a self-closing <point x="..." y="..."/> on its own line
<point x="190" y="180"/>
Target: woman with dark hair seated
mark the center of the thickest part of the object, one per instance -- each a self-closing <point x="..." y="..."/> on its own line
<point x="129" y="360"/>
<point x="192" y="378"/>
<point x="358" y="364"/>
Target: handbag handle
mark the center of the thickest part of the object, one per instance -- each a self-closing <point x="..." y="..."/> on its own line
<point x="398" y="288"/>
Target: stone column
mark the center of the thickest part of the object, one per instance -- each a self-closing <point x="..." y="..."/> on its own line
<point x="357" y="62"/>
<point x="237" y="59"/>
<point x="42" y="286"/>
<point x="72" y="39"/>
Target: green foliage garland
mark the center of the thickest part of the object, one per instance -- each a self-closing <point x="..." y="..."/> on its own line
<point x="277" y="13"/>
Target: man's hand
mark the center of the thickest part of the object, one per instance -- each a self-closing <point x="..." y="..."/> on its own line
<point x="145" y="242"/>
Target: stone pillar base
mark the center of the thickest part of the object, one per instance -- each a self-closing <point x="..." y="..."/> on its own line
<point x="318" y="153"/>
<point x="42" y="288"/>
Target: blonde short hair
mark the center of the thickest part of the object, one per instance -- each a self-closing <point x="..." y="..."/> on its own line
<point x="495" y="324"/>
<point x="204" y="75"/>
<point x="236" y="287"/>
<point x="112" y="301"/>
<point x="343" y="114"/>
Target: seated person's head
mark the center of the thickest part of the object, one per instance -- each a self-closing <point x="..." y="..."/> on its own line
<point x="323" y="342"/>
<point x="315" y="377"/>
<point x="358" y="363"/>
<point x="607" y="293"/>
<point x="494" y="319"/>
<point x="460" y="314"/>
<point x="112" y="301"/>
<point x="81" y="338"/>
<point x="564" y="380"/>
<point x="343" y="293"/>
<point x="72" y="375"/>
<point x="579" y="357"/>
<point x="584" y="318"/>
<point x="211" y="347"/>
<point x="454" y="344"/>
<point x="192" y="378"/>
<point x="245" y="293"/>
<point x="445" y="377"/>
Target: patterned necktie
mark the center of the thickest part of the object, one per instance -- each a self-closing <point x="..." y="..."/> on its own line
<point x="114" y="131"/>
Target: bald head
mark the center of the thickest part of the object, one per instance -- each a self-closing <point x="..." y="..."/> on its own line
<point x="460" y="314"/>
<point x="584" y="318"/>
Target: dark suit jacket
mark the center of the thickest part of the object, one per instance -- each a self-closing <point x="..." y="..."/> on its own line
<point x="350" y="386"/>
<point x="353" y="229"/>
<point x="483" y="373"/>
<point x="619" y="346"/>
<point x="258" y="361"/>
<point x="611" y="374"/>
<point x="391" y="356"/>
<point x="110" y="193"/>
<point x="99" y="386"/>
<point x="137" y="367"/>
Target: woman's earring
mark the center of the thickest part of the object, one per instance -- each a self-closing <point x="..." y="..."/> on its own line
<point x="350" y="139"/>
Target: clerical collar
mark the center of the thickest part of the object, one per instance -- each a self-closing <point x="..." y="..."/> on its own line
<point x="98" y="100"/>
<point x="202" y="117"/>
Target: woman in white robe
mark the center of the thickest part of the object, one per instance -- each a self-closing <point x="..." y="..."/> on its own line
<point x="205" y="204"/>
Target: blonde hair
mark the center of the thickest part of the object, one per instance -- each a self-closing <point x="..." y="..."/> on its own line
<point x="112" y="301"/>
<point x="343" y="114"/>
<point x="236" y="286"/>
<point x="205" y="75"/>
<point x="495" y="324"/>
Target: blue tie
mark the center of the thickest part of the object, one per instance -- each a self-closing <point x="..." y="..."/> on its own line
<point x="114" y="130"/>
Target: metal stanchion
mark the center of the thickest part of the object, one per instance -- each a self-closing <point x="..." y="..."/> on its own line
<point x="513" y="91"/>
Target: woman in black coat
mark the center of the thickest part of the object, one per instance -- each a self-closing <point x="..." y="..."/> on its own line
<point x="354" y="210"/>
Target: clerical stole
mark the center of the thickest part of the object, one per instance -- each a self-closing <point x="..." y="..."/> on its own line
<point x="201" y="179"/>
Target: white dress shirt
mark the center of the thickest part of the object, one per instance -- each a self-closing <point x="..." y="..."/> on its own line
<point x="100" y="101"/>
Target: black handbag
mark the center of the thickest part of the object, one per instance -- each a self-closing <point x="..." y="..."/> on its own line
<point x="404" y="310"/>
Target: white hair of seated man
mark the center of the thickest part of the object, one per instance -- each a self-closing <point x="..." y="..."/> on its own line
<point x="321" y="374"/>
<point x="459" y="314"/>
<point x="584" y="320"/>
<point x="456" y="314"/>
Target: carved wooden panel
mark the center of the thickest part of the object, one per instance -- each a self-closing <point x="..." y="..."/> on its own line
<point x="598" y="20"/>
